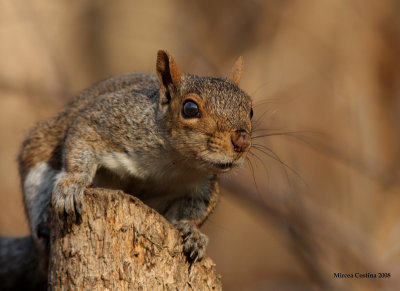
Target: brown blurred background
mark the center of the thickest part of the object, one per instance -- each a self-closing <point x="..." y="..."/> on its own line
<point x="321" y="193"/>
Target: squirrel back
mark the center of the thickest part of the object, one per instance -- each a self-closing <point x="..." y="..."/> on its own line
<point x="44" y="141"/>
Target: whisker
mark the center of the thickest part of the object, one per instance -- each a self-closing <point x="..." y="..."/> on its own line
<point x="259" y="118"/>
<point x="270" y="153"/>
<point x="262" y="164"/>
<point x="295" y="134"/>
<point x="252" y="173"/>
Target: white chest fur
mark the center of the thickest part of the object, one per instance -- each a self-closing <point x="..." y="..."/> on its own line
<point x="122" y="164"/>
<point x="160" y="173"/>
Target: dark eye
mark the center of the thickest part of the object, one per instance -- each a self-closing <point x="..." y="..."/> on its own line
<point x="251" y="113"/>
<point x="190" y="109"/>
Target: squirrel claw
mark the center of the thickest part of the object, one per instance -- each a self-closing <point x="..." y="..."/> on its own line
<point x="194" y="241"/>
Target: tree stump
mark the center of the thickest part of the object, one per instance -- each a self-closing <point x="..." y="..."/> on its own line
<point x="122" y="244"/>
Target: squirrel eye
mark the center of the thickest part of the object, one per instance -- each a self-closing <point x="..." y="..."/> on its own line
<point x="190" y="109"/>
<point x="251" y="113"/>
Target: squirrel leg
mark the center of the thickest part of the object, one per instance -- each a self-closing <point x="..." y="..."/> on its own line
<point x="188" y="214"/>
<point x="78" y="171"/>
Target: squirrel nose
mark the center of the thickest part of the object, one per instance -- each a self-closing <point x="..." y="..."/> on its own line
<point x="240" y="141"/>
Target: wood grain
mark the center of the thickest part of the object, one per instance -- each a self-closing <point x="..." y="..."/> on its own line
<point x="121" y="244"/>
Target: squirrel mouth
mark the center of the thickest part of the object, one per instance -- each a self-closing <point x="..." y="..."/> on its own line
<point x="221" y="166"/>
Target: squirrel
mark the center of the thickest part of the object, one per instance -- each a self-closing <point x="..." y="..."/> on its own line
<point x="164" y="138"/>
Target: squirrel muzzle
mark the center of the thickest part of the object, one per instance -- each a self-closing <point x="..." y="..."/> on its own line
<point x="240" y="141"/>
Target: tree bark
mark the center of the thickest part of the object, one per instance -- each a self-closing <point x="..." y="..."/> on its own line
<point x="122" y="244"/>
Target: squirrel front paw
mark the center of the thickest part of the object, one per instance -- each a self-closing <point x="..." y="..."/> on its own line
<point x="67" y="199"/>
<point x="194" y="241"/>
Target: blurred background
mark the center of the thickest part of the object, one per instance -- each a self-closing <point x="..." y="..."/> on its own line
<point x="321" y="191"/>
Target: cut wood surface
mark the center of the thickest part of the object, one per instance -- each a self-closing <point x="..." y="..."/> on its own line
<point x="122" y="244"/>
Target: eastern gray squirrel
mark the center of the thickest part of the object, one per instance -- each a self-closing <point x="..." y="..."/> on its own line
<point x="164" y="138"/>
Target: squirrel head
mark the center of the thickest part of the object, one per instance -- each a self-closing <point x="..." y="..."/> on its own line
<point x="206" y="120"/>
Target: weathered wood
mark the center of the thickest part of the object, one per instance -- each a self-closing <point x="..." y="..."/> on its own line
<point x="122" y="244"/>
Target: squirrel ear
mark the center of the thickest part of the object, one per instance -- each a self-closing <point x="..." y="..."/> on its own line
<point x="168" y="75"/>
<point x="236" y="71"/>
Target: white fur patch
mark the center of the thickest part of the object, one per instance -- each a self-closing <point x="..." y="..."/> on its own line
<point x="36" y="180"/>
<point x="38" y="187"/>
<point x="121" y="164"/>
